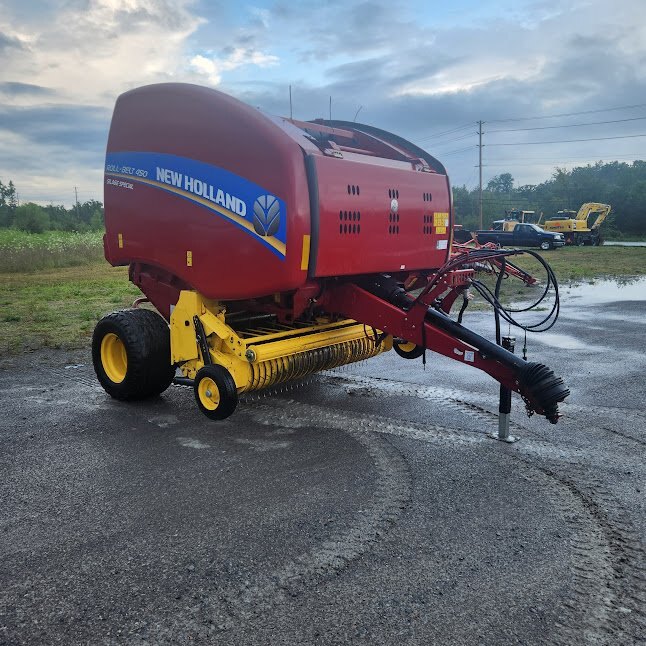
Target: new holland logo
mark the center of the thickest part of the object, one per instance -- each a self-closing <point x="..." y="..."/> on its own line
<point x="266" y="215"/>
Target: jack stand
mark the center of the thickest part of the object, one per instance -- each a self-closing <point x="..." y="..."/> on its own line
<point x="504" y="408"/>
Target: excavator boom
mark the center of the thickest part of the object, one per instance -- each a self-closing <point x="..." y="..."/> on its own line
<point x="575" y="226"/>
<point x="590" y="208"/>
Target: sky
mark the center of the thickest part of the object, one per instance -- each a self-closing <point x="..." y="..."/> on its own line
<point x="428" y="71"/>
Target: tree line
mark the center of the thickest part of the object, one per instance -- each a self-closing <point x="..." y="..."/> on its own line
<point x="33" y="218"/>
<point x="622" y="185"/>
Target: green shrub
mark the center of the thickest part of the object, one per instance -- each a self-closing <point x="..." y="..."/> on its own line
<point x="31" y="218"/>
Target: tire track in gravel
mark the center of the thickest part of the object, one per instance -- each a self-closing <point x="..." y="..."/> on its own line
<point x="337" y="552"/>
<point x="458" y="400"/>
<point x="591" y="417"/>
<point x="622" y="603"/>
<point x="616" y="614"/>
<point x="609" y="588"/>
<point x="610" y="578"/>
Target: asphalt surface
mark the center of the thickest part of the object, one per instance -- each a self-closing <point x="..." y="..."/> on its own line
<point x="366" y="507"/>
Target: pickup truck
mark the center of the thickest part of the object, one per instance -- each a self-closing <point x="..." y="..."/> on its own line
<point x="523" y="235"/>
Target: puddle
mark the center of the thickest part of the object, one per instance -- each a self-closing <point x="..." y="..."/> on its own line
<point x="618" y="243"/>
<point x="601" y="292"/>
<point x="563" y="341"/>
<point x="584" y="315"/>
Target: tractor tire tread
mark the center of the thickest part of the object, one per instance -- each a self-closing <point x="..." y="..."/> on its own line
<point x="147" y="339"/>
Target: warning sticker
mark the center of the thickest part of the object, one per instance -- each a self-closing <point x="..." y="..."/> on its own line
<point x="441" y="219"/>
<point x="469" y="356"/>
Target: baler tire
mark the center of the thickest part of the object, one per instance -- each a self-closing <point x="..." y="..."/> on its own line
<point x="139" y="341"/>
<point x="415" y="353"/>
<point x="222" y="403"/>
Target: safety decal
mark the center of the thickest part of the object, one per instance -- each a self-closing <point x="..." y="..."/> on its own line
<point x="238" y="200"/>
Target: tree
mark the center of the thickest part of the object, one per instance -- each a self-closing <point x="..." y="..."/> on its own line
<point x="8" y="203"/>
<point x="12" y="198"/>
<point x="96" y="221"/>
<point x="32" y="218"/>
<point x="503" y="183"/>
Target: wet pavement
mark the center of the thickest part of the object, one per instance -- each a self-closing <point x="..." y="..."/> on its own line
<point x="367" y="506"/>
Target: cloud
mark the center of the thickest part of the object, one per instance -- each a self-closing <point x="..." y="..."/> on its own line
<point x="213" y="67"/>
<point x="415" y="70"/>
<point x="9" y="42"/>
<point x="417" y="77"/>
<point x="14" y="88"/>
<point x="63" y="68"/>
<point x="100" y="48"/>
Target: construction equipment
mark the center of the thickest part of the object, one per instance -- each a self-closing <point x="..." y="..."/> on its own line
<point x="513" y="217"/>
<point x="276" y="248"/>
<point x="582" y="227"/>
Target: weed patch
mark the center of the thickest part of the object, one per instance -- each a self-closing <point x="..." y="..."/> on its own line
<point x="22" y="252"/>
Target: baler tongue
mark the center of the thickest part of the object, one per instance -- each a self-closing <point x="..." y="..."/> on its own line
<point x="383" y="304"/>
<point x="540" y="388"/>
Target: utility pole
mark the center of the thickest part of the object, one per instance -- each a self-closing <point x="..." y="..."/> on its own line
<point x="76" y="194"/>
<point x="330" y="108"/>
<point x="291" y="115"/>
<point x="480" y="170"/>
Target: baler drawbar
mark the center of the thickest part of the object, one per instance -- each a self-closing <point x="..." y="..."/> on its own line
<point x="275" y="248"/>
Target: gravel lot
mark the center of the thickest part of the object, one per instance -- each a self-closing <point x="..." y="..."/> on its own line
<point x="367" y="506"/>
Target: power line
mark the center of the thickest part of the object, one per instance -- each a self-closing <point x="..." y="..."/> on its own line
<point x="448" y="141"/>
<point x="635" y="156"/>
<point x="569" y="114"/>
<point x="545" y="162"/>
<point x="566" y="141"/>
<point x="459" y="150"/>
<point x="570" y="125"/>
<point x="445" y="132"/>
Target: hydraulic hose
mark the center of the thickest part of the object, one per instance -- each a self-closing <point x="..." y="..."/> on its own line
<point x="537" y="383"/>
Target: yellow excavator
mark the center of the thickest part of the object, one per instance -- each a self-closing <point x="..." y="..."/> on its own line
<point x="576" y="227"/>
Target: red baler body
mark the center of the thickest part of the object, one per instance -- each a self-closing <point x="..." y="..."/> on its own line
<point x="363" y="213"/>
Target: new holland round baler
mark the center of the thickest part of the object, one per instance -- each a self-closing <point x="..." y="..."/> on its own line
<point x="274" y="248"/>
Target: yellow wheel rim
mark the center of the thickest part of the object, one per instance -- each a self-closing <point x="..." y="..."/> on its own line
<point x="407" y="347"/>
<point x="209" y="393"/>
<point x="114" y="358"/>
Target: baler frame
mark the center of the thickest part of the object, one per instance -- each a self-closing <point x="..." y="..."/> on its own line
<point x="259" y="354"/>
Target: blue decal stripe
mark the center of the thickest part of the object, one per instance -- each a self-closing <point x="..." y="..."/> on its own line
<point x="271" y="241"/>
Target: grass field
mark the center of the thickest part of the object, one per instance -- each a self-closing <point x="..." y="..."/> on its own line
<point x="59" y="307"/>
<point x="582" y="263"/>
<point x="22" y="252"/>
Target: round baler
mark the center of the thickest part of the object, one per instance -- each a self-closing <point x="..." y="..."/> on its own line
<point x="275" y="248"/>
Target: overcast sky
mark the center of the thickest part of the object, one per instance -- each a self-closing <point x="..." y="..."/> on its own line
<point x="415" y="68"/>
